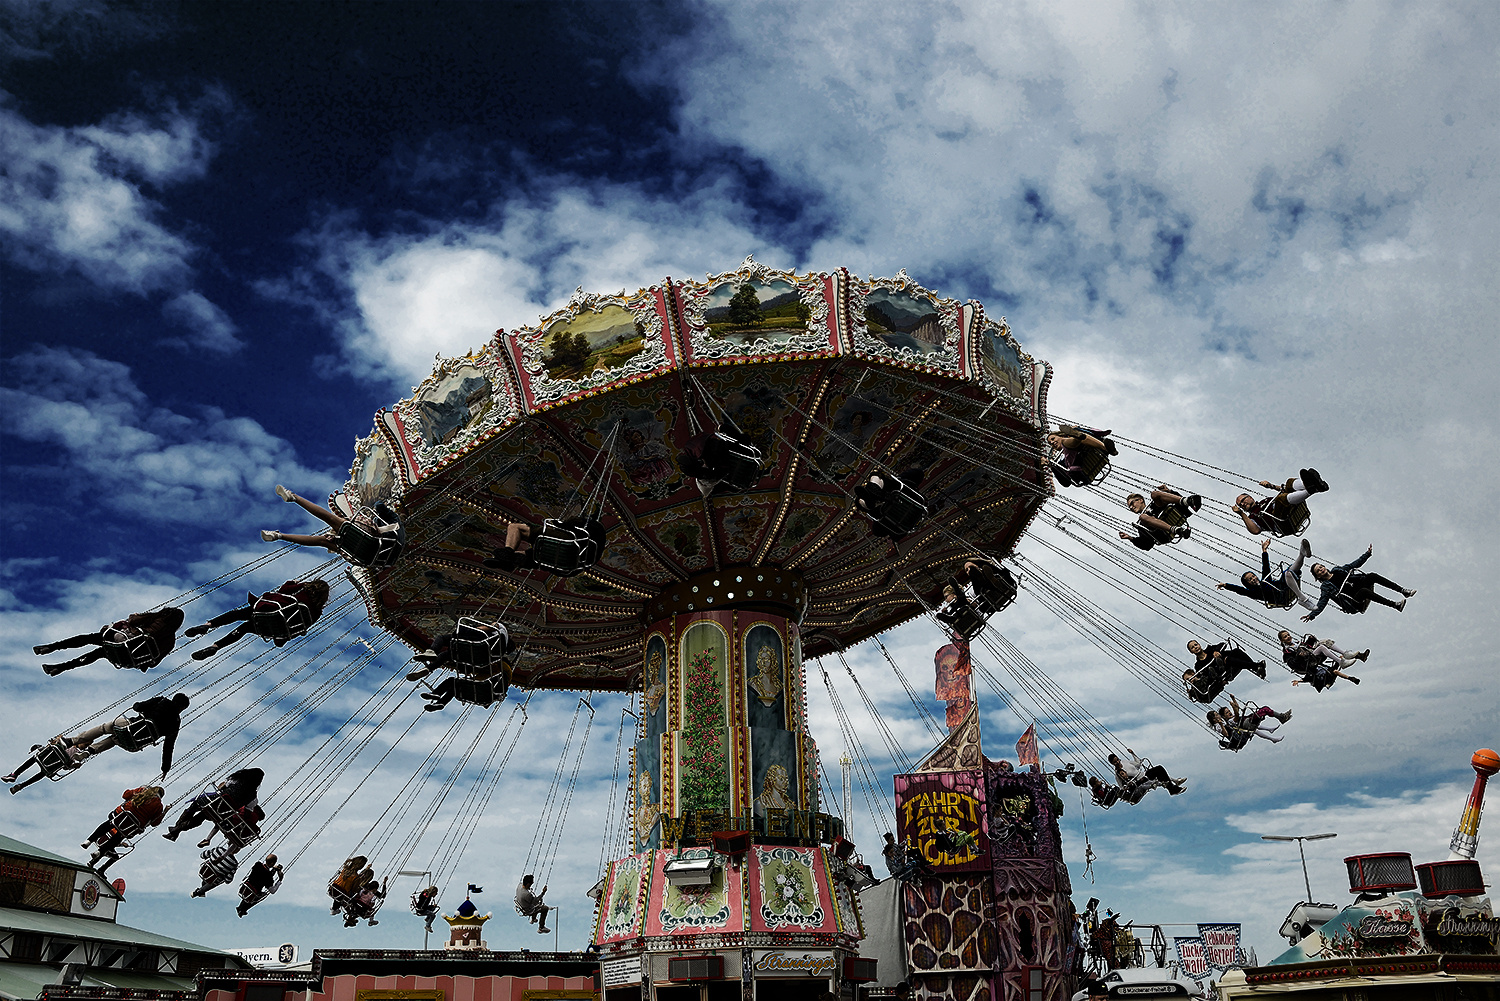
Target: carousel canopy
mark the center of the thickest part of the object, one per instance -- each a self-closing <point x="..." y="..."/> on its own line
<point x="832" y="378"/>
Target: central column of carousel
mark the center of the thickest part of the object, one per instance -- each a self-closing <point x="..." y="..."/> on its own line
<point x="733" y="890"/>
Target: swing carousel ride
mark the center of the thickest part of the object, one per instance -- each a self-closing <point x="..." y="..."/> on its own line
<point x="685" y="496"/>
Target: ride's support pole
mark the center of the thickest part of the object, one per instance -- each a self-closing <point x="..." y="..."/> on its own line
<point x="844" y="765"/>
<point x="1466" y="835"/>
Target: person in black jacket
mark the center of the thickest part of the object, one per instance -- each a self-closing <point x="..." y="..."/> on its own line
<point x="140" y="641"/>
<point x="279" y="616"/>
<point x="164" y="713"/>
<point x="263" y="880"/>
<point x="1281" y="591"/>
<point x="1352" y="591"/>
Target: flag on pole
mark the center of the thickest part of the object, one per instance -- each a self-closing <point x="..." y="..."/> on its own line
<point x="1026" y="748"/>
<point x="475" y="889"/>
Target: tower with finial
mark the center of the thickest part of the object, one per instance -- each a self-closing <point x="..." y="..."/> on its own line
<point x="466" y="926"/>
<point x="1466" y="835"/>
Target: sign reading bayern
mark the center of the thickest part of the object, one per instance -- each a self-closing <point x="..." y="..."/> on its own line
<point x="943" y="815"/>
<point x="269" y="956"/>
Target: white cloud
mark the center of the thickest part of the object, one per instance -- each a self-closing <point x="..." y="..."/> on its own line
<point x="143" y="461"/>
<point x="447" y="290"/>
<point x="212" y="327"/>
<point x="76" y="199"/>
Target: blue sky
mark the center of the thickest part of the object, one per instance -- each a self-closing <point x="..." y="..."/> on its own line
<point x="1264" y="237"/>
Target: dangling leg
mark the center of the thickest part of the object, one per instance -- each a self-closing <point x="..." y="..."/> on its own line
<point x="241" y="614"/>
<point x="1375" y="578"/>
<point x="235" y="635"/>
<point x="88" y="658"/>
<point x="1366" y="592"/>
<point x="21" y="770"/>
<point x="324" y="515"/>
<point x="326" y="541"/>
<point x="83" y="639"/>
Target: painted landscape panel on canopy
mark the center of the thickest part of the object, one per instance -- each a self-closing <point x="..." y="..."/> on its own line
<point x="756" y="312"/>
<point x="907" y="323"/>
<point x="463" y="400"/>
<point x="1007" y="369"/>
<point x="374" y="476"/>
<point x="597" y="341"/>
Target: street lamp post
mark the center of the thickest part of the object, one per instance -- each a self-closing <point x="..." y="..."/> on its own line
<point x="1299" y="838"/>
<point x="427" y="875"/>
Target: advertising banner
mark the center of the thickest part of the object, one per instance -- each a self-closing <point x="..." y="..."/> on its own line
<point x="270" y="956"/>
<point x="943" y="815"/>
<point x="1221" y="945"/>
<point x="1191" y="957"/>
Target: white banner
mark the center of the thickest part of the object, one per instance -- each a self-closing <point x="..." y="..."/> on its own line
<point x="269" y="956"/>
<point x="622" y="972"/>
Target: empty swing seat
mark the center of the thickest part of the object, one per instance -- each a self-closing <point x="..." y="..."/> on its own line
<point x="567" y="548"/>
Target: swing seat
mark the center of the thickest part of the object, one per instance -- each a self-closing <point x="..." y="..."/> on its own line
<point x="127" y="827"/>
<point x="279" y="617"/>
<point x="138" y="734"/>
<point x="220" y="866"/>
<point x="987" y="601"/>
<point x="1278" y="578"/>
<point x="423" y="910"/>
<point x="480" y="693"/>
<point x="139" y="649"/>
<point x="567" y="549"/>
<point x="1206" y="686"/>
<point x="1292" y="524"/>
<point x="476" y="645"/>
<point x="965" y="620"/>
<point x="370" y="540"/>
<point x="53" y="761"/>
<point x="252" y="896"/>
<point x="731" y="461"/>
<point x="896" y="509"/>
<point x="1094" y="464"/>
<point x="1350" y="604"/>
<point x="237" y="831"/>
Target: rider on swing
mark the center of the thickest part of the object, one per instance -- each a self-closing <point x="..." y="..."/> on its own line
<point x="139" y="641"/>
<point x="278" y="616"/>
